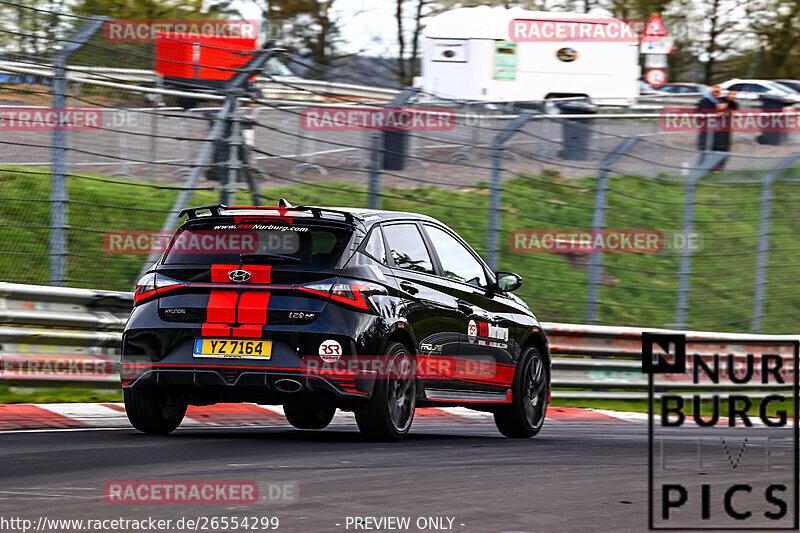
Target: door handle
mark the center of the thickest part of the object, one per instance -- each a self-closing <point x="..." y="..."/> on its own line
<point x="464" y="308"/>
<point x="408" y="287"/>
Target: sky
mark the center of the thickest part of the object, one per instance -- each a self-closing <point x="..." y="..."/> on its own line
<point x="365" y="25"/>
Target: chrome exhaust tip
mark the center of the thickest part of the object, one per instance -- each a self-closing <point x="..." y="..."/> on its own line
<point x="288" y="385"/>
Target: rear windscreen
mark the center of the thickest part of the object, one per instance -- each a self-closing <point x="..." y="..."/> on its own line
<point x="290" y="244"/>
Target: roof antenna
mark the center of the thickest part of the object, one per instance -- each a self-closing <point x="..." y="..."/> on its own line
<point x="283" y="202"/>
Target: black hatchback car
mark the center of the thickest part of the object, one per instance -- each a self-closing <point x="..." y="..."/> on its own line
<point x="318" y="309"/>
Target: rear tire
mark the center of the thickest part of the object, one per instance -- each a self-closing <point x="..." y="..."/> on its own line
<point x="308" y="415"/>
<point x="388" y="415"/>
<point x="525" y="416"/>
<point x="155" y="411"/>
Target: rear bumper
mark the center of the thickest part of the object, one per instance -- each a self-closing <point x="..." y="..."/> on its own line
<point x="157" y="352"/>
<point x="255" y="383"/>
<point x="181" y="369"/>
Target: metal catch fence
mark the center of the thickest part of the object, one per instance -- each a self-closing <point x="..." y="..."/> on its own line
<point x="88" y="206"/>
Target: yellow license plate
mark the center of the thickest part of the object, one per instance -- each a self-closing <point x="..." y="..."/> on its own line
<point x="233" y="348"/>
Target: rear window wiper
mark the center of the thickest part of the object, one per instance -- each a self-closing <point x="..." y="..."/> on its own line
<point x="273" y="258"/>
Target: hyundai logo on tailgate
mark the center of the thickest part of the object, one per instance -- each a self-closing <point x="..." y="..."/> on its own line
<point x="239" y="276"/>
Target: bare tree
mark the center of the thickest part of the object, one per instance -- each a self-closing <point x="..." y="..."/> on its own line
<point x="419" y="15"/>
<point x="777" y="30"/>
<point x="725" y="28"/>
<point x="401" y="43"/>
<point x="307" y="26"/>
<point x="444" y="5"/>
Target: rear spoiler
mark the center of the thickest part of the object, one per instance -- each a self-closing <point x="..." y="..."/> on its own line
<point x="317" y="212"/>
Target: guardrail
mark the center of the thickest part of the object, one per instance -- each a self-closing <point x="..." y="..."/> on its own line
<point x="53" y="335"/>
<point x="295" y="89"/>
<point x="289" y="87"/>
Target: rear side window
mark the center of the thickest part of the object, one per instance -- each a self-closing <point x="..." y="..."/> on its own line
<point x="374" y="247"/>
<point x="407" y="248"/>
<point x="293" y="244"/>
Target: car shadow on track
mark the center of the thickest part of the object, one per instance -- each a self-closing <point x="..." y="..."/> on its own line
<point x="330" y="435"/>
<point x="423" y="435"/>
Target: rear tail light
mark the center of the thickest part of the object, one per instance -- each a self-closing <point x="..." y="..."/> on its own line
<point x="347" y="293"/>
<point x="145" y="287"/>
<point x="153" y="284"/>
<point x="350" y="294"/>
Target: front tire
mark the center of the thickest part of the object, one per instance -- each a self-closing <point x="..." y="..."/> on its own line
<point x="389" y="413"/>
<point x="308" y="415"/>
<point x="524" y="418"/>
<point x="155" y="411"/>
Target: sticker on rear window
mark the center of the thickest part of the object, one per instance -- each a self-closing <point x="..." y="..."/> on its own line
<point x="262" y="225"/>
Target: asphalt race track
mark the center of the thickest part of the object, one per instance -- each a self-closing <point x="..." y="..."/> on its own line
<point x="572" y="477"/>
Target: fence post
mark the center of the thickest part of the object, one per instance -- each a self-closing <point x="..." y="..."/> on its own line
<point x="58" y="170"/>
<point x="498" y="147"/>
<point x="249" y="166"/>
<point x="375" y="164"/>
<point x="599" y="224"/>
<point x="234" y="165"/>
<point x="762" y="256"/>
<point x="233" y="90"/>
<point x="376" y="152"/>
<point x="705" y="164"/>
<point x="157" y="102"/>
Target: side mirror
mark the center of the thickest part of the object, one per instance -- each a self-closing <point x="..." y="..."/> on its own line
<point x="508" y="281"/>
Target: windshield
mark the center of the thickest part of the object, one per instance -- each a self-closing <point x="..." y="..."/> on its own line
<point x="288" y="244"/>
<point x="795" y="86"/>
<point x="780" y="88"/>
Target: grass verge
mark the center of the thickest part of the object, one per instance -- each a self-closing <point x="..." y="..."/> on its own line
<point x="57" y="395"/>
